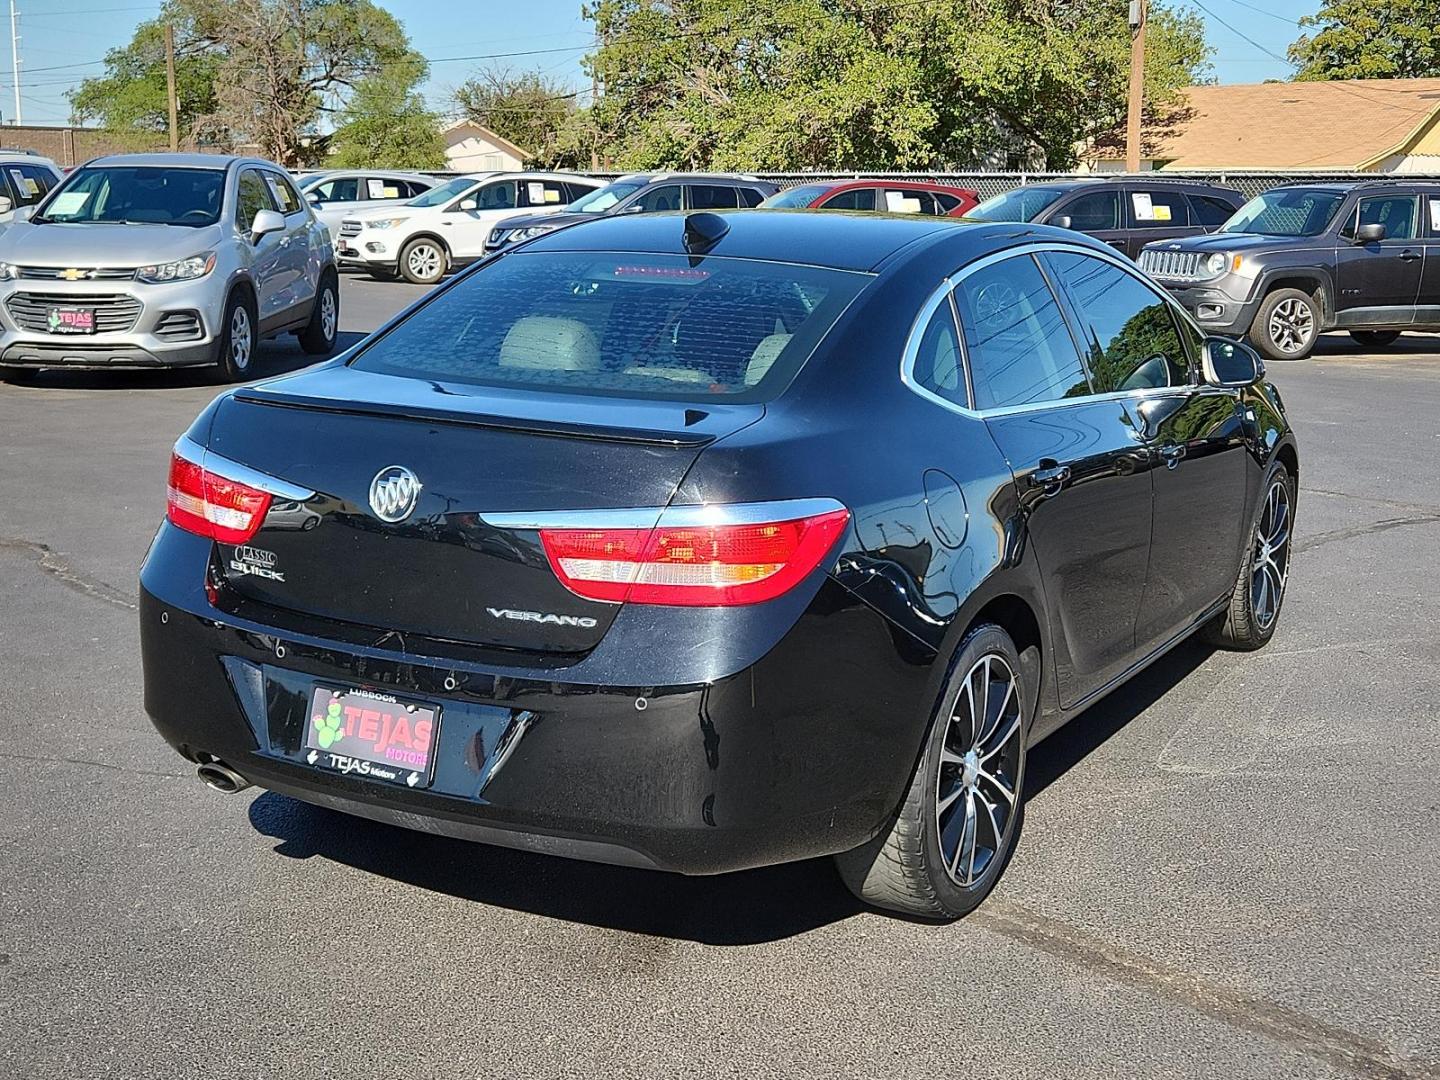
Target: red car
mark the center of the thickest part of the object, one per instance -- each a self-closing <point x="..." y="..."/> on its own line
<point x="892" y="196"/>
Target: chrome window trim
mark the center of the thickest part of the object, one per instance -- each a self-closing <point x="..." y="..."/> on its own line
<point x="947" y="287"/>
<point x="191" y="451"/>
<point x="647" y="517"/>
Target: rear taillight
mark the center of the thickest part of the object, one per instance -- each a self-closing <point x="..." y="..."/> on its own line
<point x="711" y="556"/>
<point x="206" y="502"/>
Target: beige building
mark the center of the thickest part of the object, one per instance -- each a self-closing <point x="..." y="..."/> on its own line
<point x="1368" y="125"/>
<point x="469" y="147"/>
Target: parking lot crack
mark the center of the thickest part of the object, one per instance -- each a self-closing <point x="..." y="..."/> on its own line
<point x="92" y="763"/>
<point x="1335" y="1046"/>
<point x="1384" y="525"/>
<point x="55" y="565"/>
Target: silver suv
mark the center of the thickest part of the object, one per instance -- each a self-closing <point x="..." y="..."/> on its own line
<point x="164" y="260"/>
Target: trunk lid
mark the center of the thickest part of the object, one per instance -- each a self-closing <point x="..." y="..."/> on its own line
<point x="443" y="571"/>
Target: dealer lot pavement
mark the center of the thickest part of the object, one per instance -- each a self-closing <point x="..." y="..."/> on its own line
<point x="1230" y="867"/>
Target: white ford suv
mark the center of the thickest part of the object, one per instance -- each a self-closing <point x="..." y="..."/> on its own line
<point x="447" y="225"/>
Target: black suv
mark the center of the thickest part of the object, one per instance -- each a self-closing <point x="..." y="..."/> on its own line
<point x="1303" y="259"/>
<point x="639" y="193"/>
<point x="1125" y="213"/>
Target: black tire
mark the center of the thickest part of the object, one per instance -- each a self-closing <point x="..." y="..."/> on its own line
<point x="907" y="868"/>
<point x="1249" y="621"/>
<point x="1287" y="325"/>
<point x="17" y="376"/>
<point x="234" y="363"/>
<point x="1375" y="339"/>
<point x="423" y="261"/>
<point x="318" y="337"/>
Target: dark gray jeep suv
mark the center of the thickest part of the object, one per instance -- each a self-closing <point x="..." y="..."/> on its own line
<point x="1303" y="259"/>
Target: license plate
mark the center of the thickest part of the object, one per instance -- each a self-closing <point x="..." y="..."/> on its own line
<point x="71" y="320"/>
<point x="372" y="734"/>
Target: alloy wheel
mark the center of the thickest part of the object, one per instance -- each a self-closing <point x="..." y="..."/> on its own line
<point x="424" y="260"/>
<point x="1291" y="325"/>
<point x="241" y="340"/>
<point x="1270" y="562"/>
<point x="327" y="314"/>
<point x="977" y="783"/>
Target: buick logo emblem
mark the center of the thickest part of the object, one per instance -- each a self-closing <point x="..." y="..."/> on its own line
<point x="394" y="492"/>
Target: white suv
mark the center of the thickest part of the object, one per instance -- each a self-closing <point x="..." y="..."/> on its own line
<point x="25" y="179"/>
<point x="447" y="225"/>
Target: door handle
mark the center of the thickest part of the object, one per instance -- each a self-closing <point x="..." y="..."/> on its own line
<point x="1171" y="453"/>
<point x="1409" y="256"/>
<point x="1051" y="478"/>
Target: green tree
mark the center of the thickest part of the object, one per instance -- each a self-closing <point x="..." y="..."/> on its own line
<point x="131" y="95"/>
<point x="1370" y="39"/>
<point x="526" y="108"/>
<point x="868" y="84"/>
<point x="386" y="124"/>
<point x="275" y="68"/>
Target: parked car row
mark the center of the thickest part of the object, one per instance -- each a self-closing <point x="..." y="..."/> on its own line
<point x="1281" y="269"/>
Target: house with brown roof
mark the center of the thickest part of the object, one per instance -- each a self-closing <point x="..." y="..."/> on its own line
<point x="1367" y="125"/>
<point x="472" y="147"/>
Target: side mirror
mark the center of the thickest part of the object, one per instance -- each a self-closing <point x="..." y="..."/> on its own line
<point x="633" y="208"/>
<point x="1229" y="363"/>
<point x="468" y="204"/>
<point x="265" y="223"/>
<point x="24" y="213"/>
<point x="1370" y="234"/>
<point x="6" y="204"/>
<point x="1064" y="221"/>
<point x="313" y="198"/>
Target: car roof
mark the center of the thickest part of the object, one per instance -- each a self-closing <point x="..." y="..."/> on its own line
<point x="179" y="161"/>
<point x="843" y="241"/>
<point x="655" y="177"/>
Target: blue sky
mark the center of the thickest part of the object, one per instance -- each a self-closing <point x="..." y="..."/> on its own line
<point x="61" y="42"/>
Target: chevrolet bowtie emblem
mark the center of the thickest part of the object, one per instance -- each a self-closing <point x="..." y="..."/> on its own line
<point x="73" y="275"/>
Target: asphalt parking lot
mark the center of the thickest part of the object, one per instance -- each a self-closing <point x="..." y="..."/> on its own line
<point x="1230" y="868"/>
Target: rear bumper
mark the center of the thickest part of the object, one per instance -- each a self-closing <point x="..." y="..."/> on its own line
<point x="803" y="752"/>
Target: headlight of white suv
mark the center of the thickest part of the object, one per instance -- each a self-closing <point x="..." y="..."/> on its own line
<point x="8" y="272"/>
<point x="196" y="266"/>
<point x="1216" y="262"/>
<point x="386" y="223"/>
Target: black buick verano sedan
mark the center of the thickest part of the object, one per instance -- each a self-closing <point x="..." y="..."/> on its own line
<point x="709" y="542"/>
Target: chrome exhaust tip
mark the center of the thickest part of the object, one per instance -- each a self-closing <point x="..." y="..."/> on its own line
<point x="221" y="777"/>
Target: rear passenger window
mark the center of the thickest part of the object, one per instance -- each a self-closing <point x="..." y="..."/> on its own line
<point x="947" y="202"/>
<point x="750" y="197"/>
<point x="902" y="201"/>
<point x="1210" y="213"/>
<point x="854" y="199"/>
<point x="1159" y="209"/>
<point x="1131" y="338"/>
<point x="1094" y="212"/>
<point x="712" y="197"/>
<point x="937" y="361"/>
<point x="1016" y="340"/>
<point x="542" y="193"/>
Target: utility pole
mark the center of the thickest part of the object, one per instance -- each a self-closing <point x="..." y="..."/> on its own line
<point x="170" y="88"/>
<point x="1138" y="18"/>
<point x="15" y="58"/>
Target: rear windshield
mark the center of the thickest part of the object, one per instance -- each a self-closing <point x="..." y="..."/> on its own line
<point x="145" y="194"/>
<point x="1022" y="204"/>
<point x="636" y="326"/>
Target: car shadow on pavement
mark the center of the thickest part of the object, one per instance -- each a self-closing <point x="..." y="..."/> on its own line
<point x="275" y="357"/>
<point x="1089" y="731"/>
<point x="746" y="908"/>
